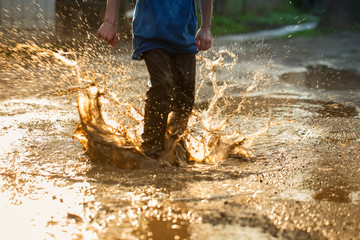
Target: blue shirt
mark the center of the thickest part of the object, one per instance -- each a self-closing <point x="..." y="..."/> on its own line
<point x="167" y="24"/>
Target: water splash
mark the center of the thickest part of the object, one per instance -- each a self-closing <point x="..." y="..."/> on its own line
<point x="101" y="142"/>
<point x="115" y="141"/>
<point x="207" y="138"/>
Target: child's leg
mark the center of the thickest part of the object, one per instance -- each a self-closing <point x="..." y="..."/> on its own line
<point x="157" y="103"/>
<point x="183" y="95"/>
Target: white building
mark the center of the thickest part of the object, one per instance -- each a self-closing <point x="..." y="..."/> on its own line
<point x="27" y="14"/>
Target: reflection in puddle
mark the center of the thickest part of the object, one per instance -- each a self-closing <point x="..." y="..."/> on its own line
<point x="143" y="220"/>
<point x="333" y="194"/>
<point x="324" y="77"/>
<point x="165" y="229"/>
<point x="208" y="231"/>
<point x="168" y="225"/>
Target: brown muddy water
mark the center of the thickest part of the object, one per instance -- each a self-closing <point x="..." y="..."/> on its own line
<point x="295" y="101"/>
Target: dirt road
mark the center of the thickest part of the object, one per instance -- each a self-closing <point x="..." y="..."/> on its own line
<point x="303" y="181"/>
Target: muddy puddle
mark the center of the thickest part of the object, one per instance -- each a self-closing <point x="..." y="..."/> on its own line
<point x="301" y="180"/>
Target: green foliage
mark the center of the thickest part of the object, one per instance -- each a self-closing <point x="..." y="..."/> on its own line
<point x="356" y="28"/>
<point x="225" y="25"/>
<point x="263" y="18"/>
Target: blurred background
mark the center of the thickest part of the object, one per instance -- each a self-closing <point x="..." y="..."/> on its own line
<point x="66" y="20"/>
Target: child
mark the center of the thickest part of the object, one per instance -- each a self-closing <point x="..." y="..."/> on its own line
<point x="165" y="36"/>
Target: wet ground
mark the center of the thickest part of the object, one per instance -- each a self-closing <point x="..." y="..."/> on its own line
<point x="302" y="182"/>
